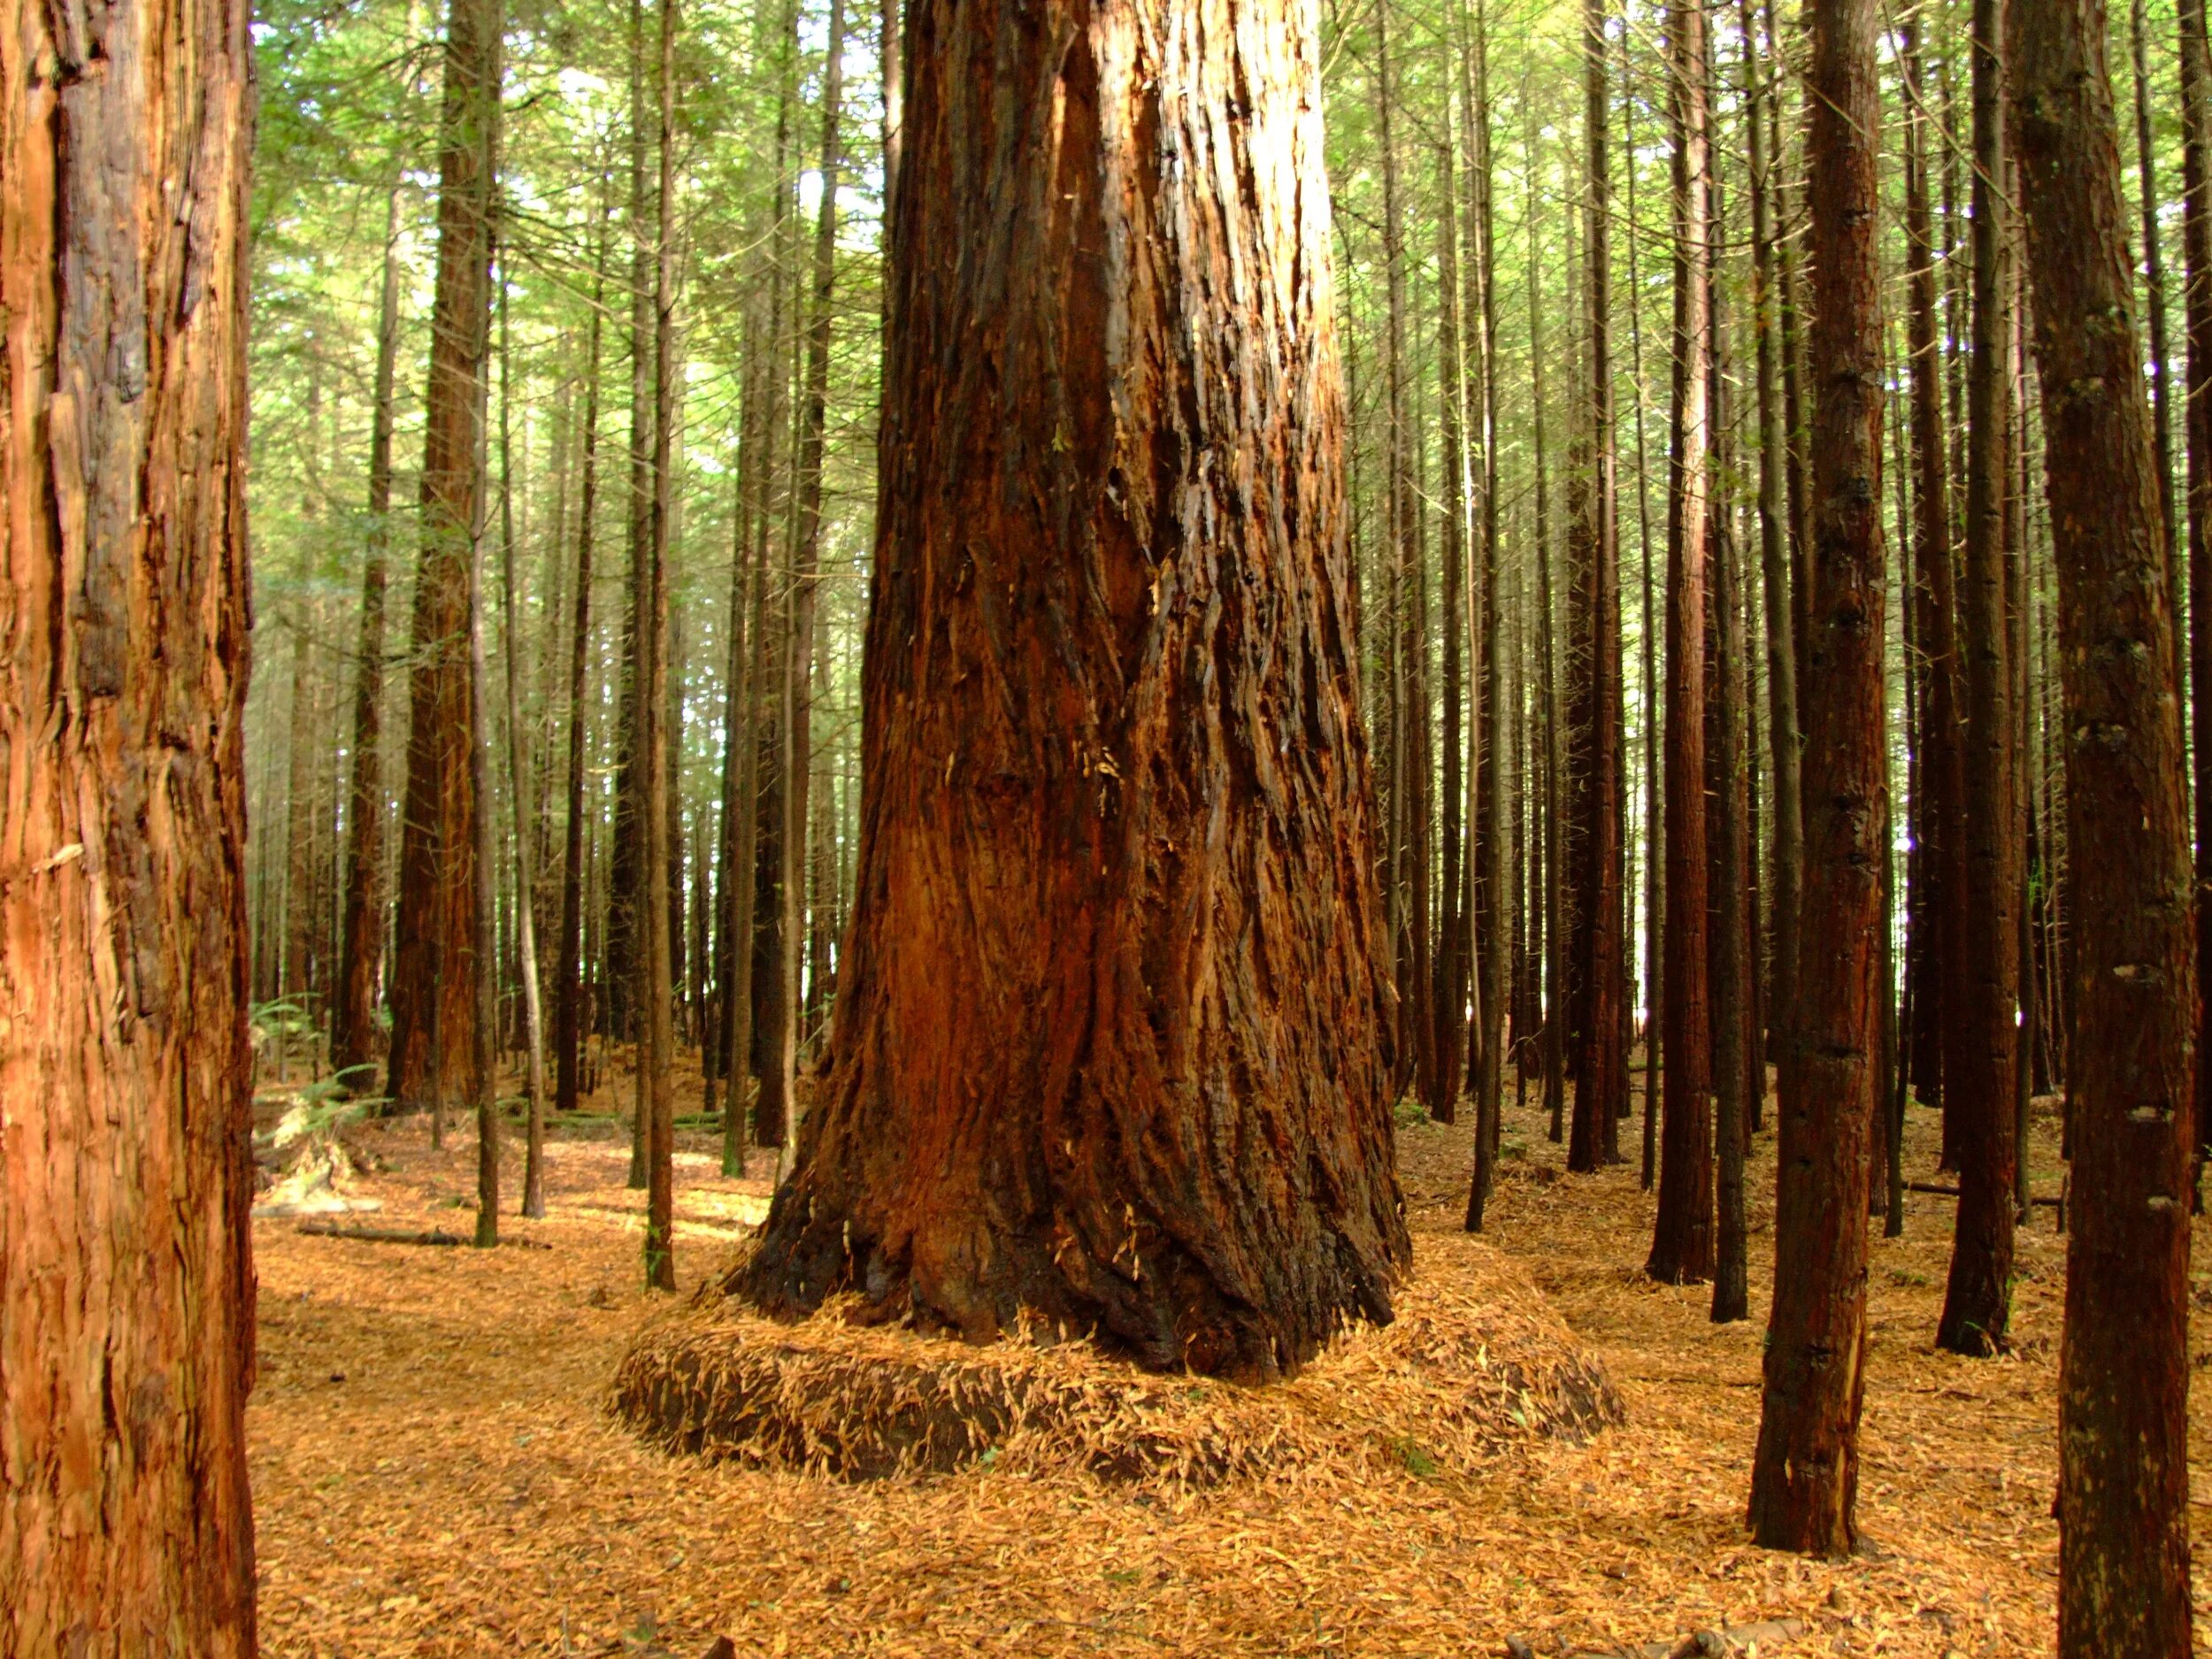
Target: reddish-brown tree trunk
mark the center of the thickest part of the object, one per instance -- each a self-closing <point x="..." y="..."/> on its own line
<point x="125" y="1272"/>
<point x="1600" y="974"/>
<point x="656" y="947"/>
<point x="434" y="987"/>
<point x="1110" y="1047"/>
<point x="355" y="1039"/>
<point x="1804" y="1479"/>
<point x="1682" y="1239"/>
<point x="568" y="991"/>
<point x="1979" y="1067"/>
<point x="2123" y="1374"/>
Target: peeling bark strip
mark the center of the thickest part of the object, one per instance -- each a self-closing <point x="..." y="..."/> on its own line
<point x="126" y="1347"/>
<point x="2123" y="1376"/>
<point x="1111" y="1050"/>
<point x="1805" y="1474"/>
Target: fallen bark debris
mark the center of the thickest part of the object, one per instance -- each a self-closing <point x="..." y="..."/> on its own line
<point x="1703" y="1644"/>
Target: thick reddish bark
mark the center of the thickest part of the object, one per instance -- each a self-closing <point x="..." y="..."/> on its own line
<point x="125" y="1275"/>
<point x="1805" y="1473"/>
<point x="1979" y="1066"/>
<point x="1682" y="1239"/>
<point x="433" y="986"/>
<point x="2123" y="1374"/>
<point x="1110" y="1048"/>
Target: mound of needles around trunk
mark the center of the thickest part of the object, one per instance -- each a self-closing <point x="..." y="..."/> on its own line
<point x="1476" y="1360"/>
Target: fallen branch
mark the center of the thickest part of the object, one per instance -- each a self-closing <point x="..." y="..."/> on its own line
<point x="1942" y="1191"/>
<point x="1704" y="1644"/>
<point x="379" y="1235"/>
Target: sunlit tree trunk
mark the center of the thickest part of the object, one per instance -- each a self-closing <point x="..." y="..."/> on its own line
<point x="126" y="1270"/>
<point x="1110" y="1049"/>
<point x="433" y="992"/>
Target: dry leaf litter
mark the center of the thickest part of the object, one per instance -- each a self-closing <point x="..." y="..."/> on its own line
<point x="437" y="1470"/>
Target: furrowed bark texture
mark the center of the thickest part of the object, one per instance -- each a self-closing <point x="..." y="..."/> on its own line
<point x="125" y="1279"/>
<point x="433" y="985"/>
<point x="2124" y="1375"/>
<point x="1682" y="1239"/>
<point x="1109" y="1048"/>
<point x="1805" y="1472"/>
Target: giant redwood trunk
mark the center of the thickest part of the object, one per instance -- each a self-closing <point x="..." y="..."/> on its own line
<point x="2123" y="1373"/>
<point x="126" y="1343"/>
<point x="433" y="986"/>
<point x="1110" y="1048"/>
<point x="1804" y="1479"/>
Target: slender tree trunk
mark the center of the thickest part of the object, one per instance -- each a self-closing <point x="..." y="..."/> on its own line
<point x="569" y="1023"/>
<point x="518" y="787"/>
<point x="1682" y="1242"/>
<point x="126" y="1268"/>
<point x="2196" y="231"/>
<point x="959" y="1105"/>
<point x="1447" y="1001"/>
<point x="1734" y="1039"/>
<point x="2154" y="287"/>
<point x="655" y="1092"/>
<point x="1655" y="992"/>
<point x="1979" y="1067"/>
<point x="1601" y="1067"/>
<point x="1787" y="857"/>
<point x="434" y="991"/>
<point x="1493" y="912"/>
<point x="2123" y="1374"/>
<point x="1804" y="1480"/>
<point x="779" y="1077"/>
<point x="354" y="1035"/>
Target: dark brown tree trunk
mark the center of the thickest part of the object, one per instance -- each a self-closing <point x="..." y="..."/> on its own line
<point x="519" y="799"/>
<point x="1983" y="1009"/>
<point x="1492" y="906"/>
<point x="1447" y="1000"/>
<point x="1135" y="765"/>
<point x="2124" y="1375"/>
<point x="568" y="1010"/>
<point x="780" y="1072"/>
<point x="1682" y="1241"/>
<point x="1804" y="1479"/>
<point x="1931" y="664"/>
<point x="434" y="991"/>
<point x="655" y="732"/>
<point x="1787" y="857"/>
<point x="126" y="1268"/>
<point x="2196" y="234"/>
<point x="2154" y="284"/>
<point x="354" y="1035"/>
<point x="1601" y="911"/>
<point x="1728" y="830"/>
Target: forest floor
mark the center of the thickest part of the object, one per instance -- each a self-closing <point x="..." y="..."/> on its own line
<point x="435" y="1471"/>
